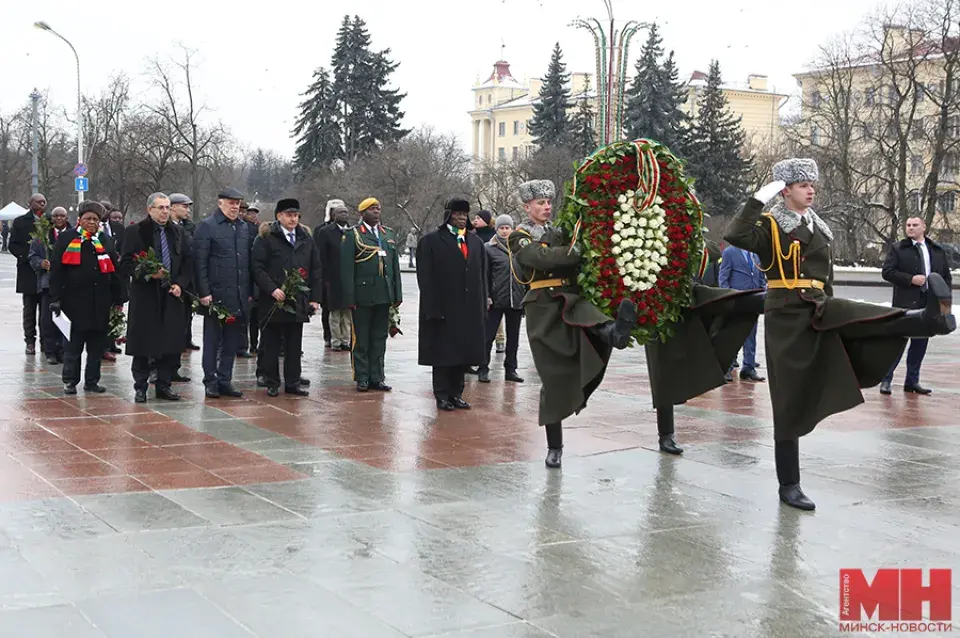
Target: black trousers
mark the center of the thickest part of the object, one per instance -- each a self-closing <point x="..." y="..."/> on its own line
<point x="51" y="339"/>
<point x="325" y="320"/>
<point x="513" y="317"/>
<point x="554" y="436"/>
<point x="254" y="341"/>
<point x="448" y="382"/>
<point x="95" y="342"/>
<point x="268" y="357"/>
<point x="31" y="308"/>
<point x="787" y="454"/>
<point x="165" y="367"/>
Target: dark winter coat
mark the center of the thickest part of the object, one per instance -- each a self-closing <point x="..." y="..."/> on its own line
<point x="221" y="262"/>
<point x="814" y="370"/>
<point x="272" y="255"/>
<point x="502" y="287"/>
<point x="328" y="239"/>
<point x="20" y="248"/>
<point x="85" y="294"/>
<point x="903" y="262"/>
<point x="156" y="322"/>
<point x="453" y="300"/>
<point x="37" y="255"/>
<point x="486" y="233"/>
<point x="116" y="232"/>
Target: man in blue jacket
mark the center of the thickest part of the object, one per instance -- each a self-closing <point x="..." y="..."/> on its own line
<point x="739" y="270"/>
<point x="223" y="276"/>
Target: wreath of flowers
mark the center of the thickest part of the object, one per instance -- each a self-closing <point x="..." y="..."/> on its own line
<point x="639" y="226"/>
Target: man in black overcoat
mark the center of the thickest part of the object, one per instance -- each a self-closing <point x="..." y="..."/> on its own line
<point x="26" y="277"/>
<point x="329" y="239"/>
<point x="451" y="273"/>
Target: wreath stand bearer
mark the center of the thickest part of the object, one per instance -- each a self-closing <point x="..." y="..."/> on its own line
<point x="370" y="274"/>
<point x="695" y="360"/>
<point x="570" y="339"/>
<point x="820" y="350"/>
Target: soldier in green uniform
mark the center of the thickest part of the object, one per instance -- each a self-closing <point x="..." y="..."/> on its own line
<point x="370" y="273"/>
<point x="571" y="340"/>
<point x="820" y="350"/>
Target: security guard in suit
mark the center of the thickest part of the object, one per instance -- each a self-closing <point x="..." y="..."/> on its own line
<point x="370" y="274"/>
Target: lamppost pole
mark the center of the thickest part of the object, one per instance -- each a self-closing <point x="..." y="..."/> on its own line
<point x="43" y="26"/>
<point x="35" y="164"/>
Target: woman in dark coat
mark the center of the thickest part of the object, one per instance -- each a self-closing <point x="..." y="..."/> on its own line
<point x="281" y="247"/>
<point x="451" y="273"/>
<point x="84" y="285"/>
<point x="156" y="326"/>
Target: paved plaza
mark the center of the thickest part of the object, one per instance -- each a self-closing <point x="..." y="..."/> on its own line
<point x="349" y="515"/>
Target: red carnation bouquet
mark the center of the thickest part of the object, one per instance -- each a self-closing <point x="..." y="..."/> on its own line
<point x="639" y="226"/>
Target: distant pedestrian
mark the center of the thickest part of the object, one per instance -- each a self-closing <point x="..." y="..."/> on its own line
<point x="506" y="300"/>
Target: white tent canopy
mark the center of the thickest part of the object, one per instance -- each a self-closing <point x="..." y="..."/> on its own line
<point x="11" y="211"/>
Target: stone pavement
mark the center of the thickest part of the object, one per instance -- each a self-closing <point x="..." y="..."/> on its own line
<point x="349" y="515"/>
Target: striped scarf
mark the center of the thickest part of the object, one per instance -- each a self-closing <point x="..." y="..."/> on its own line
<point x="71" y="256"/>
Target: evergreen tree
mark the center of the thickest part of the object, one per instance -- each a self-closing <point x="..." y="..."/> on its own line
<point x="318" y="128"/>
<point x="654" y="101"/>
<point x="550" y="125"/>
<point x="584" y="138"/>
<point x="258" y="179"/>
<point x="714" y="151"/>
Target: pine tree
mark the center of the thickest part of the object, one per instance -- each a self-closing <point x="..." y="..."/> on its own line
<point x="714" y="151"/>
<point x="654" y="101"/>
<point x="258" y="180"/>
<point x="550" y="125"/>
<point x="319" y="141"/>
<point x="584" y="138"/>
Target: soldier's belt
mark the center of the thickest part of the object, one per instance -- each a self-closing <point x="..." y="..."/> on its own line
<point x="796" y="283"/>
<point x="549" y="283"/>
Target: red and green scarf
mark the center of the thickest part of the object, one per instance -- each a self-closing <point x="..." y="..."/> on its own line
<point x="71" y="256"/>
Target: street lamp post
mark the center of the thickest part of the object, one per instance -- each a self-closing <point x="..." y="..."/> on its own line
<point x="34" y="164"/>
<point x="43" y="26"/>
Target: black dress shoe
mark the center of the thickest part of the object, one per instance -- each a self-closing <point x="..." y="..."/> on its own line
<point x="95" y="388"/>
<point x="511" y="375"/>
<point x="153" y="378"/>
<point x="211" y="393"/>
<point x="273" y="392"/>
<point x="381" y="386"/>
<point x="793" y="496"/>
<point x="262" y="382"/>
<point x="483" y="376"/>
<point x="69" y="388"/>
<point x="140" y="396"/>
<point x="445" y="405"/>
<point x="668" y="445"/>
<point x="304" y="383"/>
<point x="326" y="343"/>
<point x="363" y="386"/>
<point x="243" y="354"/>
<point x="192" y="346"/>
<point x="728" y="377"/>
<point x="52" y="359"/>
<point x="553" y="457"/>
<point x="916" y="388"/>
<point x="297" y="391"/>
<point x="346" y="349"/>
<point x="885" y="388"/>
<point x="751" y="375"/>
<point x="167" y="394"/>
<point x="230" y="391"/>
<point x="459" y="403"/>
<point x="179" y="378"/>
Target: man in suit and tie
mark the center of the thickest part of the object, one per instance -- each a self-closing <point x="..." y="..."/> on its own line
<point x="739" y="270"/>
<point x="908" y="266"/>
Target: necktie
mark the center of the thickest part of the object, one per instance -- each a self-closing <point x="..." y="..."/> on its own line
<point x="164" y="250"/>
<point x="462" y="243"/>
<point x="293" y="238"/>
<point x="749" y="257"/>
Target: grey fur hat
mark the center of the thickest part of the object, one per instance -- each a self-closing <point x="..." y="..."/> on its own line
<point x="536" y="189"/>
<point x="796" y="170"/>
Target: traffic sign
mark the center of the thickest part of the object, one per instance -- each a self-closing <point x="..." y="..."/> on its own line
<point x="80" y="170"/>
<point x="82" y="184"/>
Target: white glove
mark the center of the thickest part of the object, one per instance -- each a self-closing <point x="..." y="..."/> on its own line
<point x="769" y="191"/>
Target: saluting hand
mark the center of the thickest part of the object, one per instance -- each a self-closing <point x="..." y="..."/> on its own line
<point x="769" y="191"/>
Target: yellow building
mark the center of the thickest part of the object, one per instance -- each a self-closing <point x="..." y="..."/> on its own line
<point x="503" y="108"/>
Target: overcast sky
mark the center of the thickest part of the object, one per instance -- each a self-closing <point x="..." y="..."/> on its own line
<point x="256" y="58"/>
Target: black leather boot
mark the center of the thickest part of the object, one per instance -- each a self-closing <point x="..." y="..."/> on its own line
<point x="787" y="455"/>
<point x="554" y="445"/>
<point x="617" y="333"/>
<point x="665" y="427"/>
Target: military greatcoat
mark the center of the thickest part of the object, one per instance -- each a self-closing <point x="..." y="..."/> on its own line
<point x="570" y="360"/>
<point x="820" y="350"/>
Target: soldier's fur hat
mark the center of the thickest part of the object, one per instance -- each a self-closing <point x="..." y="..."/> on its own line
<point x="796" y="170"/>
<point x="536" y="189"/>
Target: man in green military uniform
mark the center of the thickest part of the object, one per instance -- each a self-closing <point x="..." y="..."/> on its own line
<point x="370" y="273"/>
<point x="820" y="350"/>
<point x="570" y="339"/>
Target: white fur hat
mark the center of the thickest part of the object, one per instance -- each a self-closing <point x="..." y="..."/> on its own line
<point x="331" y="205"/>
<point x="536" y="189"/>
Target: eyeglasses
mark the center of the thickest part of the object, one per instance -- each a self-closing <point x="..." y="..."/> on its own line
<point x="160" y="207"/>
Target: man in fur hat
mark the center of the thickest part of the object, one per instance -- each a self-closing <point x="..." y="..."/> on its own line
<point x="451" y="273"/>
<point x="820" y="350"/>
<point x="571" y="340"/>
<point x="370" y="276"/>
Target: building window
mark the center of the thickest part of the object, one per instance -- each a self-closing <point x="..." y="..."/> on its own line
<point x="516" y="127"/>
<point x="891" y="95"/>
<point x="815" y="100"/>
<point x="871" y="95"/>
<point x="489" y="98"/>
<point x="921" y="93"/>
<point x="917" y="130"/>
<point x="948" y="202"/>
<point x="815" y="136"/>
<point x="516" y="152"/>
<point x="953" y="126"/>
<point x="949" y="168"/>
<point x="501" y="153"/>
<point x="503" y="128"/>
<point x="868" y="130"/>
<point x="916" y="165"/>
